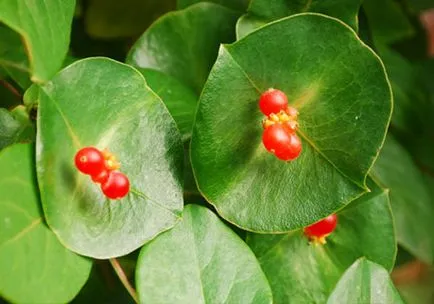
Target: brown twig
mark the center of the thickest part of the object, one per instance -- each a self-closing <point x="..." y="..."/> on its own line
<point x="123" y="278"/>
<point x="409" y="272"/>
<point x="11" y="88"/>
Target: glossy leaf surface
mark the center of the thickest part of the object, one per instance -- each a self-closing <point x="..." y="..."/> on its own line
<point x="365" y="282"/>
<point x="100" y="102"/>
<point x="300" y="272"/>
<point x="190" y="44"/>
<point x="34" y="266"/>
<point x="45" y="27"/>
<point x="261" y="12"/>
<point x="344" y="101"/>
<point x="200" y="260"/>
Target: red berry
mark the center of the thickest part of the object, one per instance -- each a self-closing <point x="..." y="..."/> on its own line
<point x="117" y="185"/>
<point x="281" y="141"/>
<point x="272" y="101"/>
<point x="322" y="228"/>
<point x="102" y="177"/>
<point x="90" y="161"/>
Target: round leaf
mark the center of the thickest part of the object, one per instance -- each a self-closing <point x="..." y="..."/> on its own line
<point x="179" y="99"/>
<point x="46" y="40"/>
<point x="201" y="260"/>
<point x="261" y="12"/>
<point x="343" y="96"/>
<point x="410" y="199"/>
<point x="239" y="5"/>
<point x="300" y="272"/>
<point x="100" y="102"/>
<point x="365" y="282"/>
<point x="190" y="44"/>
<point x="34" y="266"/>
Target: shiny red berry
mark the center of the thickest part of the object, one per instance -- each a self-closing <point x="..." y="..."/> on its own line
<point x="90" y="160"/>
<point x="322" y="228"/>
<point x="102" y="177"/>
<point x="117" y="185"/>
<point x="273" y="101"/>
<point x="281" y="141"/>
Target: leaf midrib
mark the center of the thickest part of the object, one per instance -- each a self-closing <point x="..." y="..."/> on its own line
<point x="303" y="135"/>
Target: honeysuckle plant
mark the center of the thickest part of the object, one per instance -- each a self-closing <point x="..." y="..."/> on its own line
<point x="228" y="151"/>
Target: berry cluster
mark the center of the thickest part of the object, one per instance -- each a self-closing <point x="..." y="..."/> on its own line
<point x="102" y="168"/>
<point x="280" y="125"/>
<point x="318" y="231"/>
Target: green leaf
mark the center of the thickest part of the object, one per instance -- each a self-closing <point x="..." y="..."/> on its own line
<point x="190" y="45"/>
<point x="179" y="99"/>
<point x="387" y="20"/>
<point x="45" y="27"/>
<point x="100" y="102"/>
<point x="13" y="58"/>
<point x="365" y="282"/>
<point x="344" y="100"/>
<point x="34" y="266"/>
<point x="410" y="199"/>
<point x="261" y="12"/>
<point x="15" y="127"/>
<point x="108" y="19"/>
<point x="300" y="272"/>
<point x="239" y="5"/>
<point x="201" y="260"/>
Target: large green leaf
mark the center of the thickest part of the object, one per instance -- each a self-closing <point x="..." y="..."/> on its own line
<point x="201" y="260"/>
<point x="15" y="127"/>
<point x="344" y="100"/>
<point x="300" y="272"/>
<point x="13" y="58"/>
<point x="114" y="19"/>
<point x="261" y="12"/>
<point x="239" y="5"/>
<point x="100" y="102"/>
<point x="45" y="28"/>
<point x="34" y="266"/>
<point x="365" y="282"/>
<point x="184" y="44"/>
<point x="179" y="99"/>
<point x="410" y="199"/>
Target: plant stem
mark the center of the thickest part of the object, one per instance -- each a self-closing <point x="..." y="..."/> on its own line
<point x="123" y="278"/>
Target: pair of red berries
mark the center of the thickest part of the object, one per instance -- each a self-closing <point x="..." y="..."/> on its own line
<point x="102" y="166"/>
<point x="280" y="125"/>
<point x="318" y="231"/>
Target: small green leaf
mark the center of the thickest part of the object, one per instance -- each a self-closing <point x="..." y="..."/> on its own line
<point x="365" y="282"/>
<point x="339" y="87"/>
<point x="179" y="99"/>
<point x="201" y="260"/>
<point x="108" y="19"/>
<point x="410" y="199"/>
<point x="45" y="27"/>
<point x="261" y="12"/>
<point x="13" y="58"/>
<point x="387" y="20"/>
<point x="100" y="102"/>
<point x="190" y="45"/>
<point x="300" y="272"/>
<point x="34" y="266"/>
<point x="239" y="5"/>
<point x="15" y="127"/>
